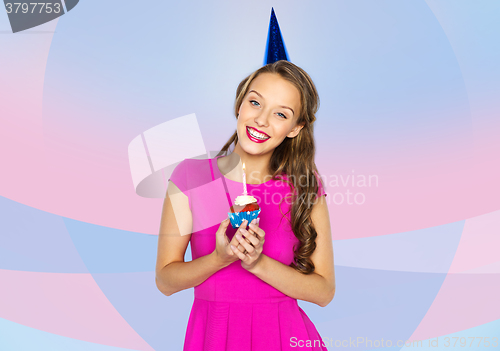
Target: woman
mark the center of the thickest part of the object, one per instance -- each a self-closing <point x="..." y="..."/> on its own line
<point x="247" y="282"/>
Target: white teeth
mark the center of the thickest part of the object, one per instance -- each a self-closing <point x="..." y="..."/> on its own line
<point x="257" y="135"/>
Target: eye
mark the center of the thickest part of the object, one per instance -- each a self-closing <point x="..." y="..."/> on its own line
<point x="281" y="114"/>
<point x="256" y="103"/>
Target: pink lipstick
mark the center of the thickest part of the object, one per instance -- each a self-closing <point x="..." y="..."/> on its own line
<point x="254" y="138"/>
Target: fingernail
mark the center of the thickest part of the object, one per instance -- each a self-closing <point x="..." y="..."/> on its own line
<point x="258" y="220"/>
<point x="254" y="221"/>
<point x="232" y="247"/>
<point x="238" y="236"/>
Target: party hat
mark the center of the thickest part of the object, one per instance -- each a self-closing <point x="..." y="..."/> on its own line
<point x="275" y="48"/>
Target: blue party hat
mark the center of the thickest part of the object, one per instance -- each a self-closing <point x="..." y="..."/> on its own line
<point x="275" y="48"/>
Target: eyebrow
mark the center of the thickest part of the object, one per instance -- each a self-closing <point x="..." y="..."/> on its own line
<point x="264" y="99"/>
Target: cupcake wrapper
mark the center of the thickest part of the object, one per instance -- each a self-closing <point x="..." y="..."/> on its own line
<point x="238" y="217"/>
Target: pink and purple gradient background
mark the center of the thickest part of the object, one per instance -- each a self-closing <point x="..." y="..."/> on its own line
<point x="409" y="93"/>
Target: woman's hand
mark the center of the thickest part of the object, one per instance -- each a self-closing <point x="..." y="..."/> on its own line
<point x="222" y="246"/>
<point x="251" y="243"/>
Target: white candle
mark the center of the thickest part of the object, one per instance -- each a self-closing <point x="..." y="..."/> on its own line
<point x="244" y="181"/>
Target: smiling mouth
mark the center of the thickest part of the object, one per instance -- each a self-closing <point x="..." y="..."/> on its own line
<point x="256" y="134"/>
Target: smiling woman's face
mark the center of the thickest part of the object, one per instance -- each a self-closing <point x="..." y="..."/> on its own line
<point x="268" y="114"/>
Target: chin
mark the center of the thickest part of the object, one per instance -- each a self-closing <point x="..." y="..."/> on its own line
<point x="251" y="148"/>
<point x="252" y="151"/>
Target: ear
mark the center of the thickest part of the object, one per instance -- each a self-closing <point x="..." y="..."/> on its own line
<point x="295" y="130"/>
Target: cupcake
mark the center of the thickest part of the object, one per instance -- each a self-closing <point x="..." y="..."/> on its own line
<point x="245" y="207"/>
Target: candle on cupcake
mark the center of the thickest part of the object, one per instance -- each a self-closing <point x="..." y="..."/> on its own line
<point x="245" y="206"/>
<point x="244" y="180"/>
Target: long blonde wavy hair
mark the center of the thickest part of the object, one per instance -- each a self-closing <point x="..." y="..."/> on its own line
<point x="294" y="157"/>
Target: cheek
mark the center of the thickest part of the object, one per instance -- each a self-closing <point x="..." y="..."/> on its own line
<point x="245" y="109"/>
<point x="282" y="131"/>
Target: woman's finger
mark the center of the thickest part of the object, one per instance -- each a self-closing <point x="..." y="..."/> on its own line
<point x="254" y="241"/>
<point x="241" y="248"/>
<point x="238" y="253"/>
<point x="254" y="234"/>
<point x="242" y="230"/>
<point x="234" y="240"/>
<point x="246" y="245"/>
<point x="254" y="222"/>
<point x="257" y="230"/>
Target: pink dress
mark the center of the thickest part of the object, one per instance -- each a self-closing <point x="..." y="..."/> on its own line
<point x="234" y="310"/>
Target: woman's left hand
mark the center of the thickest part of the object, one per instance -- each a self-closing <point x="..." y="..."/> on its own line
<point x="249" y="253"/>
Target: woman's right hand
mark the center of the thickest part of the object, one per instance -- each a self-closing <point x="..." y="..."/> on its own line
<point x="222" y="245"/>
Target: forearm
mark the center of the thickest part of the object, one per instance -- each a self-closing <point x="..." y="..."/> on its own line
<point x="178" y="276"/>
<point x="308" y="287"/>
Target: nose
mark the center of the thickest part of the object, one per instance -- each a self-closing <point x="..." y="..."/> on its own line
<point x="262" y="119"/>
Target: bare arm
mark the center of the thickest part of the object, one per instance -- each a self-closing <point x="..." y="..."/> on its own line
<point x="172" y="273"/>
<point x="317" y="287"/>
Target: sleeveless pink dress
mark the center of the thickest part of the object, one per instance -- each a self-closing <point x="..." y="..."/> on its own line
<point x="233" y="310"/>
